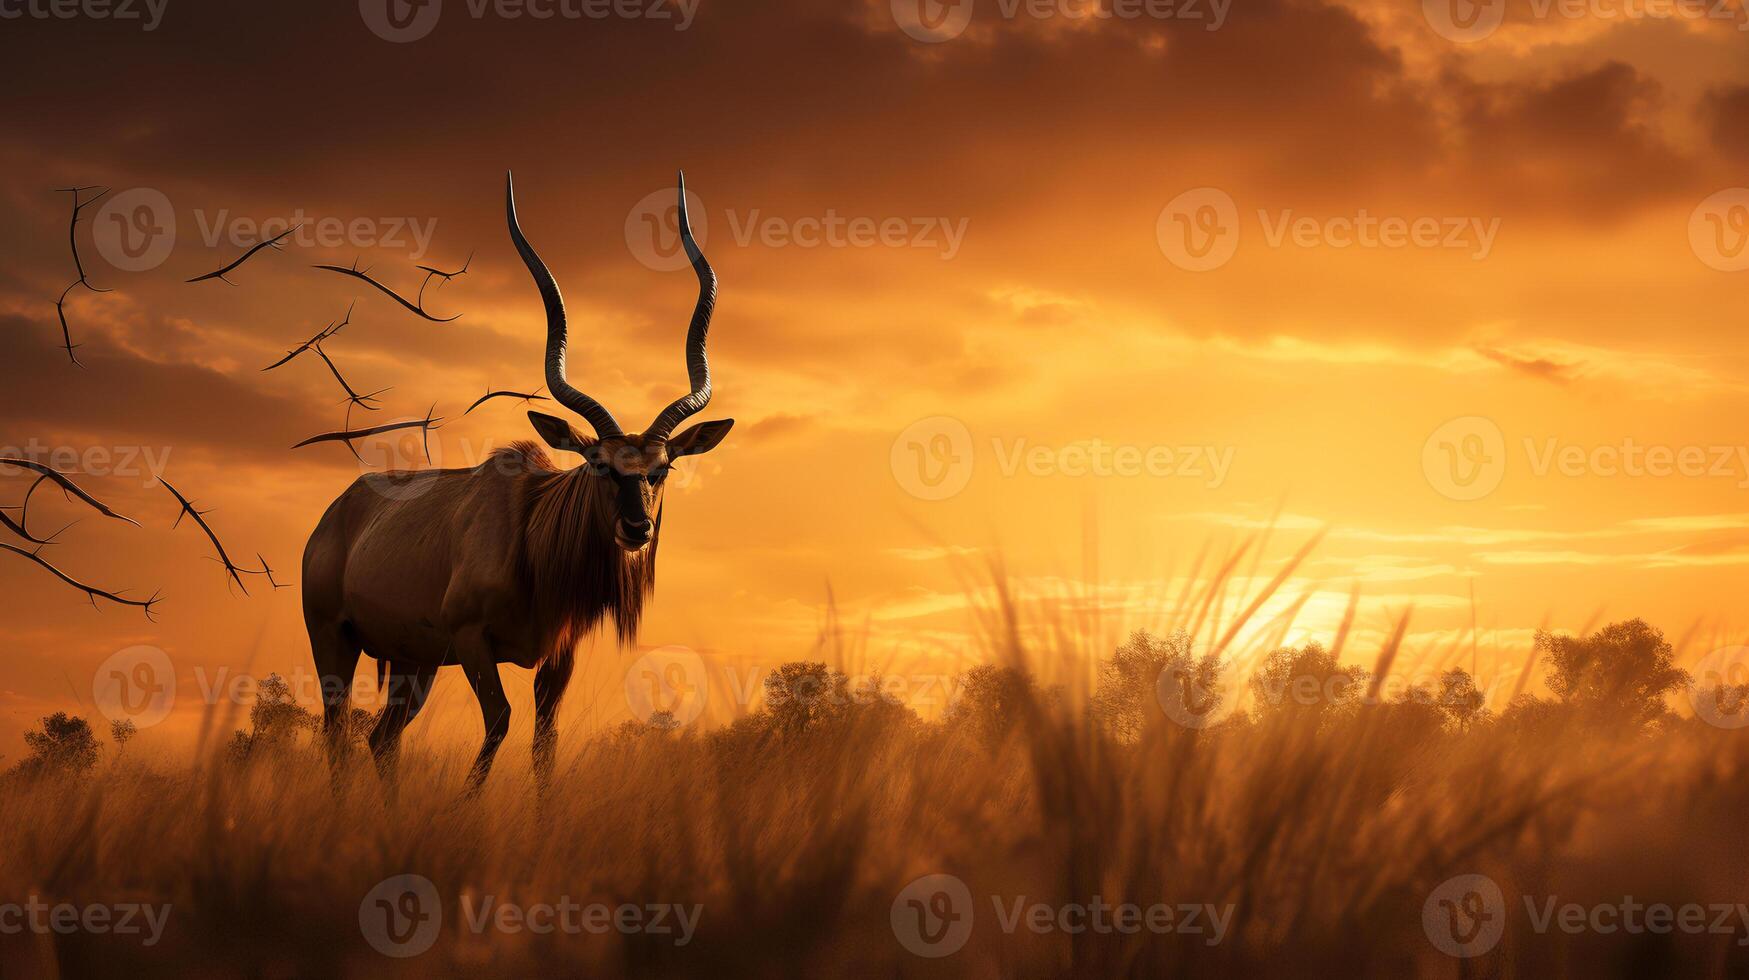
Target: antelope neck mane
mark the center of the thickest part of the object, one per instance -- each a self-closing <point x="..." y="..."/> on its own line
<point x="574" y="570"/>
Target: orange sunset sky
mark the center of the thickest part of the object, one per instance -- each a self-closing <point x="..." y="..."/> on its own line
<point x="1287" y="241"/>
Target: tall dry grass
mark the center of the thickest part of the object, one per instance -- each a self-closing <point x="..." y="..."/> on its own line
<point x="1325" y="832"/>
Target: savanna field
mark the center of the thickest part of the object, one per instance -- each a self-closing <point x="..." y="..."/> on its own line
<point x="1142" y="488"/>
<point x="1163" y="810"/>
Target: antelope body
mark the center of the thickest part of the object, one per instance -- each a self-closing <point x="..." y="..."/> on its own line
<point x="512" y="561"/>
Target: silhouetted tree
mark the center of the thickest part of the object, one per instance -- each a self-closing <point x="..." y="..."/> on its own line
<point x="1126" y="696"/>
<point x="1306" y="683"/>
<point x="64" y="744"/>
<point x="1459" y="699"/>
<point x="121" y="732"/>
<point x="1529" y="715"/>
<point x="801" y="693"/>
<point x="990" y="701"/>
<point x="1618" y="674"/>
<point x="276" y="718"/>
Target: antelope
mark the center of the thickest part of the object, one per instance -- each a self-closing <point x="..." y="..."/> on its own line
<point x="510" y="562"/>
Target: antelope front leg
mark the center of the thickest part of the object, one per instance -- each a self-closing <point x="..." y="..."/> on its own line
<point x="549" y="689"/>
<point x="482" y="671"/>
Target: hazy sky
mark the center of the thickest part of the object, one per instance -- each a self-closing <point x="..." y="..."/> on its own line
<point x="1460" y="284"/>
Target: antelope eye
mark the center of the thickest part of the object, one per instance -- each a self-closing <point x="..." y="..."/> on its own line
<point x="658" y="474"/>
<point x="598" y="468"/>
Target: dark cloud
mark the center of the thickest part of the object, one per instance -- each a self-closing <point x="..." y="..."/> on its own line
<point x="121" y="399"/>
<point x="1580" y="144"/>
<point x="1542" y="368"/>
<point x="1727" y="110"/>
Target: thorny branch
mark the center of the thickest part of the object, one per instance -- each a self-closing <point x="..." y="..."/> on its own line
<point x="92" y="593"/>
<point x="417" y="308"/>
<point x="232" y="569"/>
<point x="315" y="344"/>
<point x="21" y="527"/>
<point x="534" y="396"/>
<point x="78" y="266"/>
<point x="273" y="243"/>
<point x="348" y="435"/>
<point x="431" y="273"/>
<point x="363" y="401"/>
<point x="326" y="332"/>
<point x="66" y="484"/>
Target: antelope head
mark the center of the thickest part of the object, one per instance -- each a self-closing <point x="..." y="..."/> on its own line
<point x="631" y="465"/>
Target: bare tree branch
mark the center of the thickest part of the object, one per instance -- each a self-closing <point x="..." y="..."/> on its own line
<point x="315" y="344"/>
<point x="21" y="527"/>
<point x="362" y="401"/>
<point x="267" y="570"/>
<point x="91" y="592"/>
<point x="78" y="266"/>
<point x="347" y="435"/>
<point x="66" y="484"/>
<point x="534" y="396"/>
<point x="364" y="275"/>
<point x="321" y="335"/>
<point x="232" y="569"/>
<point x="273" y="243"/>
<point x="430" y="273"/>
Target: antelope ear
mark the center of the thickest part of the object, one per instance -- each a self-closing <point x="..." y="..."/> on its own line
<point x="559" y="434"/>
<point x="701" y="438"/>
